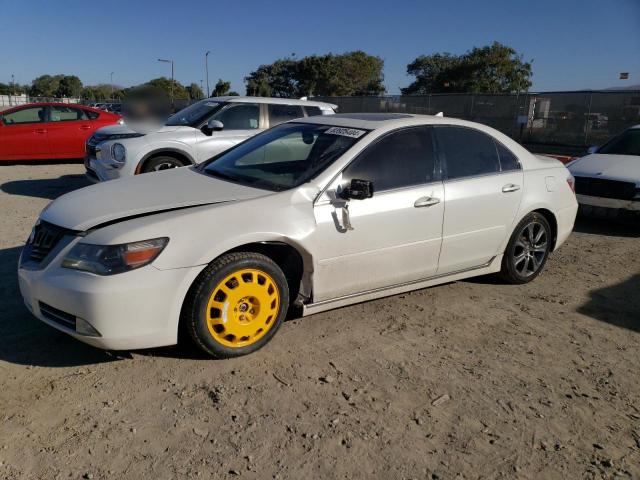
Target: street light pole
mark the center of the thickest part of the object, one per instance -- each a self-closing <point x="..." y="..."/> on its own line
<point x="111" y="83"/>
<point x="171" y="62"/>
<point x="206" y="67"/>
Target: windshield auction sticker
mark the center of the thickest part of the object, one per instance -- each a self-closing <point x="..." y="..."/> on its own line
<point x="345" y="132"/>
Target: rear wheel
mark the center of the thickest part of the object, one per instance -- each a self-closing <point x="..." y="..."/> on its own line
<point x="527" y="250"/>
<point x="237" y="304"/>
<point x="161" y="162"/>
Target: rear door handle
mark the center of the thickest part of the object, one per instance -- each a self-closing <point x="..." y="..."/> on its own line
<point x="85" y="127"/>
<point x="510" y="188"/>
<point x="40" y="130"/>
<point x="426" y="202"/>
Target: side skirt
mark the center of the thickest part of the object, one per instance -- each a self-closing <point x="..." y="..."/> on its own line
<point x="492" y="266"/>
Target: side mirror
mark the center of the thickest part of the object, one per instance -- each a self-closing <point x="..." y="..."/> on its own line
<point x="212" y="126"/>
<point x="357" y="190"/>
<point x="592" y="149"/>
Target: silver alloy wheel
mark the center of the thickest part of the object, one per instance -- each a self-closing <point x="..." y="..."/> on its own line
<point x="530" y="249"/>
<point x="164" y="166"/>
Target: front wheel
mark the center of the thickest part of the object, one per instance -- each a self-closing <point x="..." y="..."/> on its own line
<point x="527" y="250"/>
<point x="162" y="162"/>
<point x="237" y="304"/>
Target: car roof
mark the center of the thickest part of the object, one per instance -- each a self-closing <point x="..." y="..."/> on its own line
<point x="272" y="100"/>
<point x="375" y="121"/>
<point x="47" y="104"/>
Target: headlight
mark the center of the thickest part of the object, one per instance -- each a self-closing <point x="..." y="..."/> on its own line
<point x="112" y="259"/>
<point x="118" y="152"/>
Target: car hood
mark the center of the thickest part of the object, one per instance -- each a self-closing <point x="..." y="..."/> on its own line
<point x="140" y="195"/>
<point x="615" y="167"/>
<point x="139" y="128"/>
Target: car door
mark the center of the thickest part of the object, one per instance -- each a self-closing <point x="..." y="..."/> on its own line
<point x="482" y="192"/>
<point x="240" y="120"/>
<point x="23" y="134"/>
<point x="69" y="128"/>
<point x="392" y="237"/>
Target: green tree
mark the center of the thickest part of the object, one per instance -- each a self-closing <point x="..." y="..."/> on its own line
<point x="102" y="92"/>
<point x="164" y="84"/>
<point x="195" y="92"/>
<point x="495" y="68"/>
<point x="221" y="88"/>
<point x="351" y="73"/>
<point x="70" y="86"/>
<point x="45" y="86"/>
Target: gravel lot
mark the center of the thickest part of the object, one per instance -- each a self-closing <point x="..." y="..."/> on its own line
<point x="472" y="379"/>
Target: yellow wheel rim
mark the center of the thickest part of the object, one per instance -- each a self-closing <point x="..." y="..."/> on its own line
<point x="243" y="307"/>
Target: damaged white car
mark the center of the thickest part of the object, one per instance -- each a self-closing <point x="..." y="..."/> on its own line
<point x="318" y="213"/>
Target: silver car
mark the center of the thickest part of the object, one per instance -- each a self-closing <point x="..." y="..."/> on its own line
<point x="190" y="136"/>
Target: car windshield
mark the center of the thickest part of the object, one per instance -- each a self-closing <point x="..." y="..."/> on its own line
<point x="285" y="156"/>
<point x="194" y="114"/>
<point x="627" y="143"/>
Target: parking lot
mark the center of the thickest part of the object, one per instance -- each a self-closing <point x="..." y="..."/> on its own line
<point x="473" y="379"/>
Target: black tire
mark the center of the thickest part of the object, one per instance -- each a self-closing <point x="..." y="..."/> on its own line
<point x="196" y="314"/>
<point x="528" y="250"/>
<point x="161" y="162"/>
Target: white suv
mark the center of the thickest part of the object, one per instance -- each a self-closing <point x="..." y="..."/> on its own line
<point x="190" y="136"/>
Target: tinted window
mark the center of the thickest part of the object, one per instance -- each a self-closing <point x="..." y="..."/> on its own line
<point x="283" y="113"/>
<point x="627" y="143"/>
<point x="194" y="114"/>
<point x="26" y="115"/>
<point x="313" y="111"/>
<point x="400" y="159"/>
<point x="67" y="114"/>
<point x="91" y="114"/>
<point x="508" y="161"/>
<point x="239" y="116"/>
<point x="467" y="152"/>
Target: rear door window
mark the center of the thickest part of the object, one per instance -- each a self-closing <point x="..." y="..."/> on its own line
<point x="283" y="113"/>
<point x="67" y="114"/>
<point x="467" y="152"/>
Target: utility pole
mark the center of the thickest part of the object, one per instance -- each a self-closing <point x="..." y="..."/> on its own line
<point x="111" y="83"/>
<point x="206" y="68"/>
<point x="13" y="87"/>
<point x="171" y="62"/>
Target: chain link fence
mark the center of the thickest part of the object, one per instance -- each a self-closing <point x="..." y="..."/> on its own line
<point x="550" y="122"/>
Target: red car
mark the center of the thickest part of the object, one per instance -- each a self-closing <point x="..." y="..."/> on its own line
<point x="43" y="131"/>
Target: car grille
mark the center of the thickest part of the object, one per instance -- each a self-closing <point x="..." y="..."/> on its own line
<point x="601" y="187"/>
<point x="44" y="239"/>
<point x="58" y="316"/>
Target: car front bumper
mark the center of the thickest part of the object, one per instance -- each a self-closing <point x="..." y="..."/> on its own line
<point x="136" y="309"/>
<point x="613" y="203"/>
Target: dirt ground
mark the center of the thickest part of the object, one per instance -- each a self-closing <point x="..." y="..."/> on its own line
<point x="472" y="379"/>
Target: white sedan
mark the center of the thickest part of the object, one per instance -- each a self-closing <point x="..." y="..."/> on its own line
<point x="609" y="177"/>
<point x="318" y="213"/>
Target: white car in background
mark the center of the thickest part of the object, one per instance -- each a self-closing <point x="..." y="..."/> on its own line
<point x="609" y="176"/>
<point x="320" y="212"/>
<point x="190" y="136"/>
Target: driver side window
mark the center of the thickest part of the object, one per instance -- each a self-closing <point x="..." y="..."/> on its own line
<point x="400" y="159"/>
<point x="239" y="116"/>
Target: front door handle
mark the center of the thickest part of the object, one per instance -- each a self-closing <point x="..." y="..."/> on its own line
<point x="40" y="130"/>
<point x="426" y="202"/>
<point x="85" y="127"/>
<point x="511" y="187"/>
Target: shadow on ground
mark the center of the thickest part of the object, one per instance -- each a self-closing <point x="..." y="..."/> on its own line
<point x="25" y="340"/>
<point x="45" y="187"/>
<point x="618" y="305"/>
<point x="620" y="226"/>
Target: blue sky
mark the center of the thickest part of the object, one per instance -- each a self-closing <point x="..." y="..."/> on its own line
<point x="574" y="44"/>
